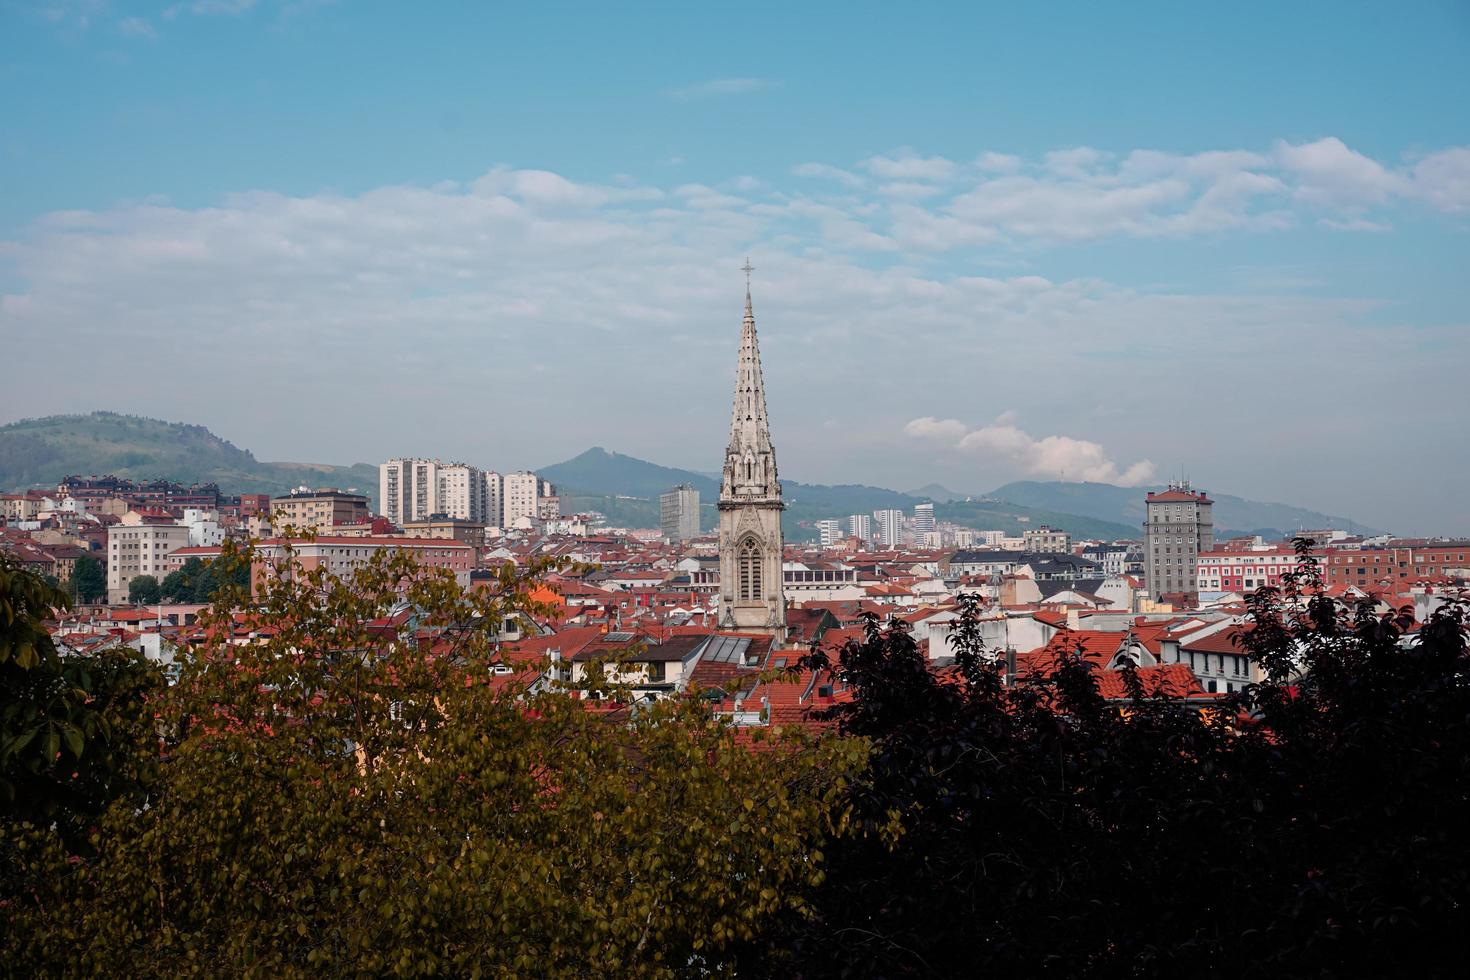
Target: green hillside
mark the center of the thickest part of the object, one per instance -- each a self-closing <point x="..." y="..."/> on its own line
<point x="38" y="453"/>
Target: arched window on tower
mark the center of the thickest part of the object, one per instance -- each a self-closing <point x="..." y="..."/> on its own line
<point x="748" y="565"/>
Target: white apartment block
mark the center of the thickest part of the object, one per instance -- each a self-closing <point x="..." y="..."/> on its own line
<point x="830" y="531"/>
<point x="890" y="527"/>
<point x="140" y="546"/>
<point x="521" y="492"/>
<point x="414" y="490"/>
<point x="860" y="526"/>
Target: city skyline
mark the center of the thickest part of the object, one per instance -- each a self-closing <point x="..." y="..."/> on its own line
<point x="1255" y="284"/>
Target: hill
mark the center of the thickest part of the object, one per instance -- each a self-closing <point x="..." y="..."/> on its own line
<point x="1124" y="505"/>
<point x="38" y="453"/>
<point x="936" y="493"/>
<point x="626" y="489"/>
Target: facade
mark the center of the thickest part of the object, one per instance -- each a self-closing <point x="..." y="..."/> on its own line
<point x="1178" y="528"/>
<point x="860" y="526"/>
<point x="890" y="528"/>
<point x="521" y="492"/>
<point x="140" y="545"/>
<point x="829" y="532"/>
<point x="493" y="490"/>
<point x="342" y="555"/>
<point x="1046" y="540"/>
<point x="924" y="524"/>
<point x="413" y="490"/>
<point x="678" y="511"/>
<point x="444" y="528"/>
<point x="752" y="593"/>
<point x="1243" y="571"/>
<point x="323" y="507"/>
<point x="1396" y="565"/>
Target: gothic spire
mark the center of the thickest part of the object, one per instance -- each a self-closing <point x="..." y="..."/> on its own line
<point x="749" y="426"/>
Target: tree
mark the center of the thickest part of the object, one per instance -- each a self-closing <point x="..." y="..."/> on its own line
<point x="144" y="590"/>
<point x="1309" y="827"/>
<point x="359" y="793"/>
<point x="182" y="584"/>
<point x="88" y="579"/>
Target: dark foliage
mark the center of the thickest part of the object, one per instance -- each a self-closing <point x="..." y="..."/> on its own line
<point x="1312" y="827"/>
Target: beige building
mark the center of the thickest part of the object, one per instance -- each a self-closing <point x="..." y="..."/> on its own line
<point x="1180" y="524"/>
<point x="1045" y="540"/>
<point x="324" y="507"/>
<point x="447" y="528"/>
<point x="414" y="490"/>
<point x="140" y="545"/>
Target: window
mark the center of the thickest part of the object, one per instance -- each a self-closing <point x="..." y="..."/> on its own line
<point x="748" y="560"/>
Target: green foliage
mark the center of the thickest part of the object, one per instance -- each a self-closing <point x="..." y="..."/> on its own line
<point x="74" y="731"/>
<point x="144" y="589"/>
<point x="89" y="579"/>
<point x="359" y="794"/>
<point x="1310" y="827"/>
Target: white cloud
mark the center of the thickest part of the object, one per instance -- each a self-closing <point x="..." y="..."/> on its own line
<point x="1052" y="457"/>
<point x="1443" y="179"/>
<point x="907" y="165"/>
<point x="720" y="86"/>
<point x="998" y="163"/>
<point x="1328" y="173"/>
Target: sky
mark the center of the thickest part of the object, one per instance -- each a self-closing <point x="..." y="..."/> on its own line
<point x="991" y="242"/>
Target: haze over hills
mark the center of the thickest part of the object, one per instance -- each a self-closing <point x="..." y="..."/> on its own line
<point x="38" y="453"/>
<point x="626" y="489"/>
<point x="1125" y="505"/>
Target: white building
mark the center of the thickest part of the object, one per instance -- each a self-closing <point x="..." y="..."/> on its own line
<point x="522" y="490"/>
<point x="923" y="522"/>
<point x="140" y="545"/>
<point x="413" y="490"/>
<point x="830" y="532"/>
<point x="860" y="526"/>
<point x="204" y="527"/>
<point x="890" y="528"/>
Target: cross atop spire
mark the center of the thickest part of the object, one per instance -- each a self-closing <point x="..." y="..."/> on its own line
<point x="750" y="461"/>
<point x="747" y="268"/>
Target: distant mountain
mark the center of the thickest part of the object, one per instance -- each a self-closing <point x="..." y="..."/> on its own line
<point x="1125" y="505"/>
<point x="601" y="472"/>
<point x="936" y="493"/>
<point x="618" y="485"/>
<point x="38" y="453"/>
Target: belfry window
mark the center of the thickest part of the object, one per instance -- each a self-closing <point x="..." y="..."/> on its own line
<point x="748" y="564"/>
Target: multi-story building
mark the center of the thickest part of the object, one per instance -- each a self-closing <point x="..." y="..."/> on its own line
<point x="1396" y="565"/>
<point x="1178" y="527"/>
<point x="890" y="528"/>
<point x="924" y="524"/>
<point x="860" y="526"/>
<point x="306" y="509"/>
<point x="1243" y="570"/>
<point x="1046" y="540"/>
<point x="678" y="511"/>
<point x="414" y="490"/>
<point x="521" y="492"/>
<point x="830" y="532"/>
<point x="493" y="491"/>
<point x="140" y="545"/>
<point x="342" y="555"/>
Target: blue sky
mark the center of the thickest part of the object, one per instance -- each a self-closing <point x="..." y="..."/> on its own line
<point x="992" y="241"/>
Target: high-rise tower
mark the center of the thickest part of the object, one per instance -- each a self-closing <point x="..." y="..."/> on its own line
<point x="752" y="598"/>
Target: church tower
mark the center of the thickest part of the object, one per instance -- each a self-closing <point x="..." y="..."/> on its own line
<point x="752" y="597"/>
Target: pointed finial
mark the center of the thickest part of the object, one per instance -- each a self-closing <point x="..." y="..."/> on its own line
<point x="747" y="268"/>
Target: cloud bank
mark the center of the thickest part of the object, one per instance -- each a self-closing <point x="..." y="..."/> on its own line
<point x="1050" y="457"/>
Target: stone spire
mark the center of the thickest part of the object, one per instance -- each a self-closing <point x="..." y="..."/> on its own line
<point x="750" y="461"/>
